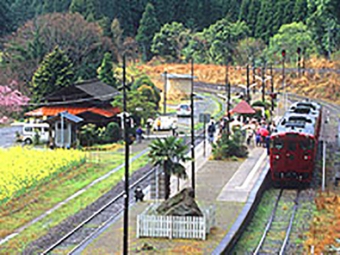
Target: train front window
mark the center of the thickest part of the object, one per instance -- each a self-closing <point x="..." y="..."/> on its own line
<point x="307" y="144"/>
<point x="291" y="146"/>
<point x="277" y="144"/>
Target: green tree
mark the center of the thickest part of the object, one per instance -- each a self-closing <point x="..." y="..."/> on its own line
<point x="290" y="37"/>
<point x="105" y="71"/>
<point x="300" y="11"/>
<point x="147" y="88"/>
<point x="147" y="28"/>
<point x="264" y="22"/>
<point x="138" y="105"/>
<point x="254" y="9"/>
<point x="167" y="153"/>
<point x="247" y="49"/>
<point x="170" y="41"/>
<point x="54" y="72"/>
<point x="324" y="26"/>
<point x="217" y="42"/>
<point x="5" y="18"/>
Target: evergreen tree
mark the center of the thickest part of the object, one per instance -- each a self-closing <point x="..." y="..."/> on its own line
<point x="170" y="40"/>
<point x="148" y="27"/>
<point x="264" y="22"/>
<point x="78" y="6"/>
<point x="300" y="10"/>
<point x="23" y="11"/>
<point x="54" y="72"/>
<point x="254" y="9"/>
<point x="231" y="9"/>
<point x="5" y="18"/>
<point x="244" y="9"/>
<point x="105" y="71"/>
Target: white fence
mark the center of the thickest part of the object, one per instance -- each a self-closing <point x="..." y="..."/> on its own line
<point x="151" y="225"/>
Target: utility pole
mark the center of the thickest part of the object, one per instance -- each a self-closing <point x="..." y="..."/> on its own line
<point x="127" y="152"/>
<point x="248" y="84"/>
<point x="254" y="79"/>
<point x="272" y="86"/>
<point x="283" y="53"/>
<point x="165" y="83"/>
<point x="298" y="51"/>
<point x="329" y="41"/>
<point x="227" y="85"/>
<point x="263" y="79"/>
<point x="192" y="128"/>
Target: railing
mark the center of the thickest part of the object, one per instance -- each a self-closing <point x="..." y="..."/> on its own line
<point x="188" y="227"/>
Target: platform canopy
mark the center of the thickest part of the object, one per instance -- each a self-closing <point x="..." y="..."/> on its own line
<point x="243" y="108"/>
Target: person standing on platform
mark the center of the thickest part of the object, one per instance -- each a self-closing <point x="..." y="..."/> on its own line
<point x="211" y="132"/>
<point x="139" y="133"/>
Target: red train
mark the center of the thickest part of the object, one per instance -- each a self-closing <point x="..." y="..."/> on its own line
<point x="293" y="144"/>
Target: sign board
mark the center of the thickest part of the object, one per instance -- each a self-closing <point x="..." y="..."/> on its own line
<point x="204" y="117"/>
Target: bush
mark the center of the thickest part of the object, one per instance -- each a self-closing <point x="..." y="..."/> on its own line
<point x="88" y="135"/>
<point x="112" y="133"/>
<point x="226" y="148"/>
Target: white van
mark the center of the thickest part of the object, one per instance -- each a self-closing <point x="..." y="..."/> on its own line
<point x="30" y="129"/>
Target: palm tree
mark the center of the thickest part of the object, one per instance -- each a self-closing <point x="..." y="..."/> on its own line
<point x="168" y="153"/>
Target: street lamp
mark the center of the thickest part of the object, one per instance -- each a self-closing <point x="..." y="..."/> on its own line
<point x="192" y="128"/>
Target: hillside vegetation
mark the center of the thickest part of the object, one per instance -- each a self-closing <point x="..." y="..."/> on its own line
<point x="316" y="84"/>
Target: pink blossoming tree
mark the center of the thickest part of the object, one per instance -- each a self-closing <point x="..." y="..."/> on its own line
<point x="11" y="101"/>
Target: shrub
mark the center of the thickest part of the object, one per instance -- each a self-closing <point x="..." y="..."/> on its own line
<point x="88" y="135"/>
<point x="226" y="148"/>
<point x="112" y="133"/>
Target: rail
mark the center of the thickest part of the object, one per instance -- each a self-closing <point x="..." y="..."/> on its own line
<point x="102" y="209"/>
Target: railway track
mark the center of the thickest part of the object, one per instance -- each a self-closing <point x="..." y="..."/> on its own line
<point x="276" y="234"/>
<point x="84" y="231"/>
<point x="74" y="240"/>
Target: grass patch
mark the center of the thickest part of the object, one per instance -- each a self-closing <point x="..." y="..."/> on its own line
<point x="43" y="198"/>
<point x="254" y="231"/>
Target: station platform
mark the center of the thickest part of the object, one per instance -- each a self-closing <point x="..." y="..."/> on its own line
<point x="225" y="184"/>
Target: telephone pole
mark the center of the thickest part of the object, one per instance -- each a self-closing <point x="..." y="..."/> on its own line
<point x="127" y="152"/>
<point x="192" y="128"/>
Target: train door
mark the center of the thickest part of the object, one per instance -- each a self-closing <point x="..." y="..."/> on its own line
<point x="307" y="158"/>
<point x="277" y="164"/>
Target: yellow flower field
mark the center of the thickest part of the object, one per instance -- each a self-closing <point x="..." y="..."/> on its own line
<point x="21" y="168"/>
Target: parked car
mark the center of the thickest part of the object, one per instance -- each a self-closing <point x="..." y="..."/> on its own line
<point x="29" y="130"/>
<point x="166" y="123"/>
<point x="183" y="110"/>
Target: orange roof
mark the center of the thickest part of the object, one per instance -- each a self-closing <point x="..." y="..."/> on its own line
<point x="54" y="110"/>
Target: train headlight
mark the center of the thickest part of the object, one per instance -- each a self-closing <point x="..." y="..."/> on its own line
<point x="306" y="157"/>
<point x="277" y="157"/>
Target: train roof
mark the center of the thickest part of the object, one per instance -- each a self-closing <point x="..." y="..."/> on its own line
<point x="296" y="123"/>
<point x="306" y="104"/>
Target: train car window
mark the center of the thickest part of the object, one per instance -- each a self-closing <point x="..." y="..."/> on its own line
<point x="306" y="145"/>
<point x="277" y="144"/>
<point x="291" y="146"/>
